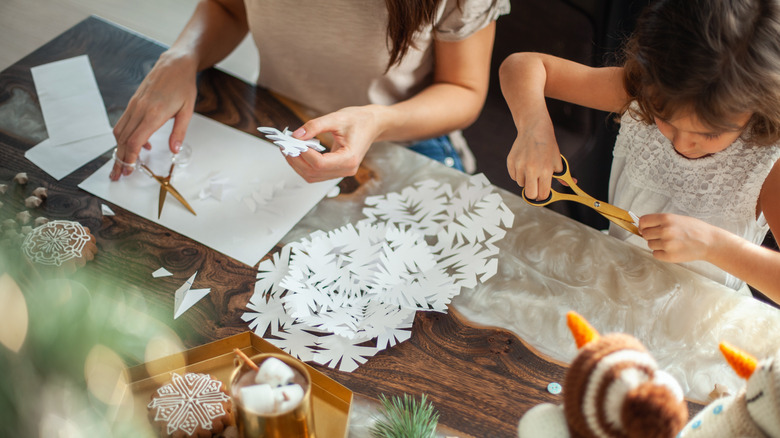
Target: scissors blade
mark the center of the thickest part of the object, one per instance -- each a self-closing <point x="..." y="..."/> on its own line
<point x="161" y="202"/>
<point x="628" y="226"/>
<point x="179" y="197"/>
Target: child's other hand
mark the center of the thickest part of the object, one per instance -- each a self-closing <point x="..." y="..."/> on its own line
<point x="675" y="238"/>
<point x="534" y="157"/>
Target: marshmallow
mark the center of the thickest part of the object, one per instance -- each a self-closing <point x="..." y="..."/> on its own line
<point x="288" y="397"/>
<point x="258" y="399"/>
<point x="274" y="372"/>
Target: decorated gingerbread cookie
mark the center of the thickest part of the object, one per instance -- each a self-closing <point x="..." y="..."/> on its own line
<point x="192" y="405"/>
<point x="60" y="244"/>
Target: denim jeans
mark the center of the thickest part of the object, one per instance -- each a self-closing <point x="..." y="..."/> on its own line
<point x="439" y="149"/>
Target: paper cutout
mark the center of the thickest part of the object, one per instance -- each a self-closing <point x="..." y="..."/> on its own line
<point x="162" y="272"/>
<point x="227" y="226"/>
<point x="189" y="403"/>
<point x="74" y="114"/>
<point x="291" y="146"/>
<point x="323" y="297"/>
<point x="186" y="297"/>
<point x="106" y="210"/>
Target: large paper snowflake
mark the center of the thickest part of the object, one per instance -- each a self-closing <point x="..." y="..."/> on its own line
<point x="189" y="402"/>
<point x="339" y="297"/>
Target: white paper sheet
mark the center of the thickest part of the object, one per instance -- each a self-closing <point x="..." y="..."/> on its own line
<point x="227" y="226"/>
<point x="75" y="117"/>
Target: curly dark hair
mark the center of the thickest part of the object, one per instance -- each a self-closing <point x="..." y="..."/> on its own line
<point x="717" y="58"/>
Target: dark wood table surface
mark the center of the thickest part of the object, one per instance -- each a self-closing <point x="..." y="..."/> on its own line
<point x="480" y="379"/>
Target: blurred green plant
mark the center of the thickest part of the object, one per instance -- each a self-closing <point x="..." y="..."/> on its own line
<point x="61" y="374"/>
<point x="405" y="418"/>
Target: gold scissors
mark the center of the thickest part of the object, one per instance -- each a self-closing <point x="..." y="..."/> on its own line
<point x="622" y="218"/>
<point x="165" y="188"/>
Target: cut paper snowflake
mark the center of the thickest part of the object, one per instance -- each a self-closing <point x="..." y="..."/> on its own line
<point x="347" y="354"/>
<point x="291" y="146"/>
<point x="324" y="296"/>
<point x="189" y="402"/>
<point x="298" y="340"/>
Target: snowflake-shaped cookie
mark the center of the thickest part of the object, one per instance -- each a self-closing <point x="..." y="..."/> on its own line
<point x="56" y="242"/>
<point x="189" y="402"/>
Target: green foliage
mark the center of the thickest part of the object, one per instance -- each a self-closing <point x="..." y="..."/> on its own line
<point x="44" y="386"/>
<point x="406" y="418"/>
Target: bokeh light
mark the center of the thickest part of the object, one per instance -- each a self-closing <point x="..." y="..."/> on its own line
<point x="13" y="314"/>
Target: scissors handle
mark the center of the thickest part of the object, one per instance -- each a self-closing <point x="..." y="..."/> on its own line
<point x="562" y="175"/>
<point x="615" y="214"/>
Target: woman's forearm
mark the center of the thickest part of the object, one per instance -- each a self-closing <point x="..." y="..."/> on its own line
<point x="214" y="30"/>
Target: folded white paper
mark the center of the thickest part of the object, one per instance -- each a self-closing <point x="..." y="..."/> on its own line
<point x="75" y="117"/>
<point x="186" y="297"/>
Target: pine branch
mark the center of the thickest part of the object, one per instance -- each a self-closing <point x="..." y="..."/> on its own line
<point x="406" y="418"/>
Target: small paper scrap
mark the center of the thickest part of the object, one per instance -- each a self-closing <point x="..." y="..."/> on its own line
<point x="162" y="272"/>
<point x="106" y="210"/>
<point x="291" y="146"/>
<point x="186" y="297"/>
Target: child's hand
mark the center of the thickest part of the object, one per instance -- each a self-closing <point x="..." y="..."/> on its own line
<point x="675" y="238"/>
<point x="534" y="157"/>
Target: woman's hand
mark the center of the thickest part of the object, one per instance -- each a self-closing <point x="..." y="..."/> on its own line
<point x="535" y="156"/>
<point x="353" y="130"/>
<point x="675" y="238"/>
<point x="169" y="90"/>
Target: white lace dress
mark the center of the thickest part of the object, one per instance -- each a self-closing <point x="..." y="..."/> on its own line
<point x="648" y="176"/>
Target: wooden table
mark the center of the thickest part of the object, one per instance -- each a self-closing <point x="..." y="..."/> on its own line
<point x="480" y="379"/>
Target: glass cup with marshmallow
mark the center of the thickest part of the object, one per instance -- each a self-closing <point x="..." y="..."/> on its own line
<point x="273" y="401"/>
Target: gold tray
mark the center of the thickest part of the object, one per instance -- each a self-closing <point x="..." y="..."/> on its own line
<point x="330" y="400"/>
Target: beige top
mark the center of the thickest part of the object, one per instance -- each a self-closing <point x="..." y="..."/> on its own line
<point x="330" y="54"/>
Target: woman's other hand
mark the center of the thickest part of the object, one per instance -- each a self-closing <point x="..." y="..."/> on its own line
<point x="354" y="129"/>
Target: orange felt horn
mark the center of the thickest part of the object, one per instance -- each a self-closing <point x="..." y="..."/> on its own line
<point x="743" y="363"/>
<point x="582" y="331"/>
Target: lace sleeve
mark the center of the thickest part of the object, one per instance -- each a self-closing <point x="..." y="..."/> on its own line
<point x="627" y="136"/>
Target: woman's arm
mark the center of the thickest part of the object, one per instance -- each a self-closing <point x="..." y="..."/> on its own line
<point x="169" y="90"/>
<point x="678" y="239"/>
<point x="453" y="101"/>
<point x="526" y="79"/>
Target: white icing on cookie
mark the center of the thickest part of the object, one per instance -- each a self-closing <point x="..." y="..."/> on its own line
<point x="189" y="402"/>
<point x="56" y="242"/>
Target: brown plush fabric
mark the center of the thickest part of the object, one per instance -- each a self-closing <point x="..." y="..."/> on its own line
<point x="651" y="411"/>
<point x="579" y="372"/>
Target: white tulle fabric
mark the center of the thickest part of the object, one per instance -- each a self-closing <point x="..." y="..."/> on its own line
<point x="648" y="176"/>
